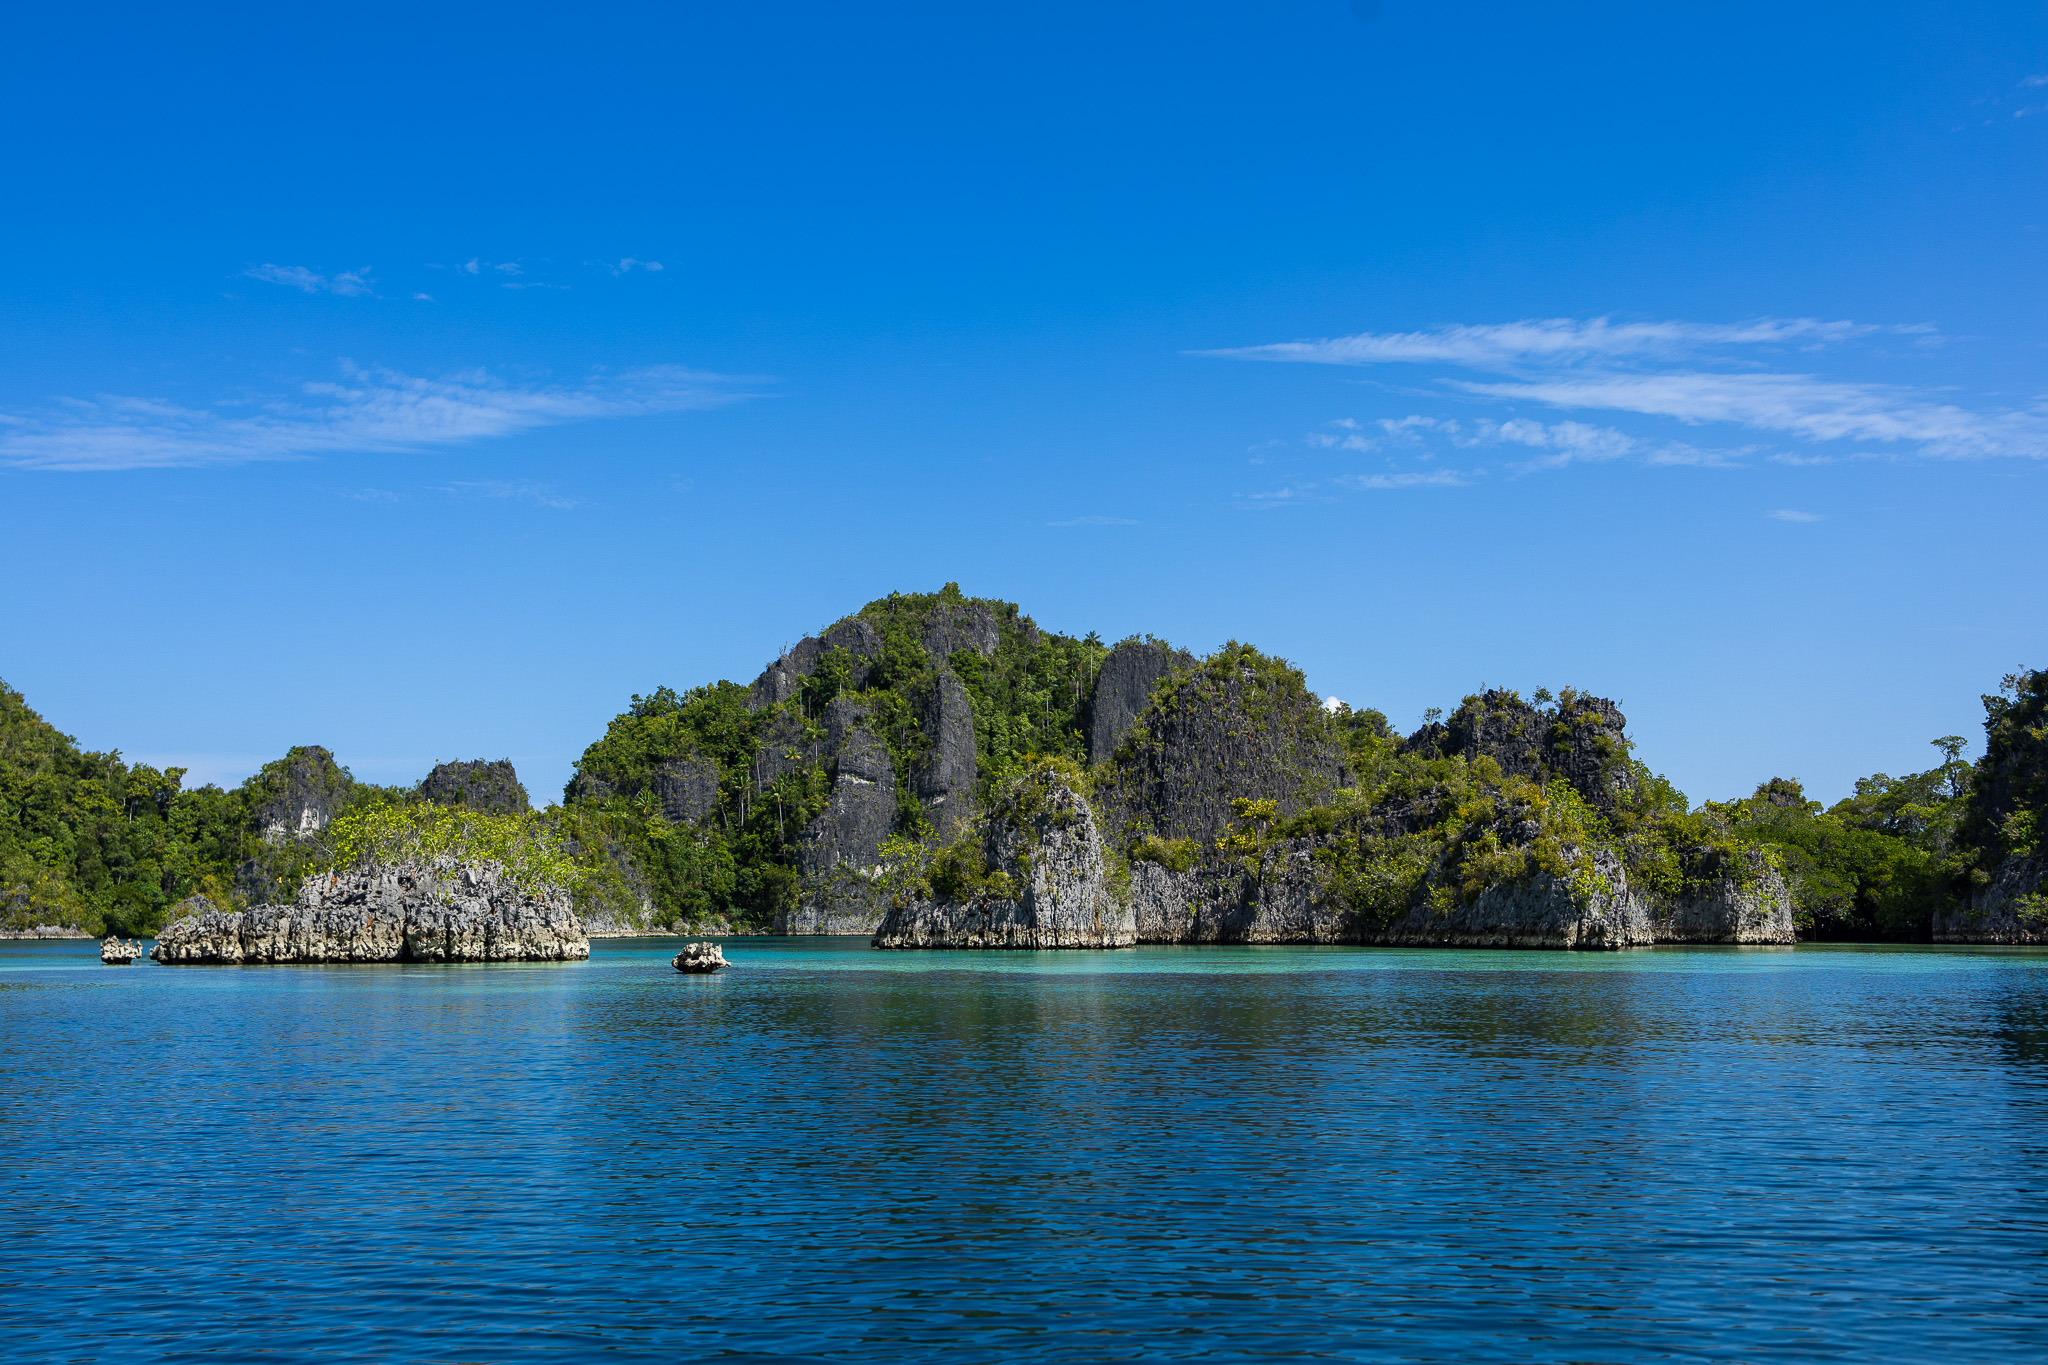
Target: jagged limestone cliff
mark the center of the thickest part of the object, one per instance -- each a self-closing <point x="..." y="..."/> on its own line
<point x="1238" y="725"/>
<point x="443" y="910"/>
<point x="773" y="802"/>
<point x="1241" y="808"/>
<point x="477" y="785"/>
<point x="2002" y="834"/>
<point x="1032" y="875"/>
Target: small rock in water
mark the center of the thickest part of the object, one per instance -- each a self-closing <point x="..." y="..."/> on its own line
<point x="115" y="953"/>
<point x="699" y="957"/>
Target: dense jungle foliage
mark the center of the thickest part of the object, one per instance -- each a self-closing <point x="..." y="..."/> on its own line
<point x="1433" y="828"/>
<point x="93" y="843"/>
<point x="1877" y="865"/>
<point x="739" y="859"/>
<point x="691" y="808"/>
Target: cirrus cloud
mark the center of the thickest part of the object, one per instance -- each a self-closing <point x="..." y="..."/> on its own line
<point x="366" y="411"/>
<point x="1690" y="373"/>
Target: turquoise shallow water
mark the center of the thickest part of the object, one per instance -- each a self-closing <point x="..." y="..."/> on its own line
<point x="827" y="1153"/>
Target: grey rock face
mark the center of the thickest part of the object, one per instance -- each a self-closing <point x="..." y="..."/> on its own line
<point x="781" y="680"/>
<point x="1584" y="742"/>
<point x="313" y="792"/>
<point x="1747" y="903"/>
<point x="1043" y="840"/>
<point x="2012" y="909"/>
<point x="842" y="847"/>
<point x="687" y="789"/>
<point x="961" y="627"/>
<point x="1219" y="901"/>
<point x="253" y="882"/>
<point x="586" y="790"/>
<point x="115" y="953"/>
<point x="784" y="747"/>
<point x="1592" y="751"/>
<point x="699" y="959"/>
<point x="1124" y="688"/>
<point x="477" y="785"/>
<point x="1285" y="899"/>
<point x="1224" y="730"/>
<point x="442" y="911"/>
<point x="1541" y="911"/>
<point x="944" y="781"/>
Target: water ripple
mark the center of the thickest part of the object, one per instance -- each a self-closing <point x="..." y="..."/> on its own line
<point x="1213" y="1154"/>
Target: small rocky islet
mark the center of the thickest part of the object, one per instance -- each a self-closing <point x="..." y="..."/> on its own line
<point x="936" y="771"/>
<point x="445" y="910"/>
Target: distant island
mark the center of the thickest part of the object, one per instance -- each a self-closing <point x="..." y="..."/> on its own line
<point x="937" y="771"/>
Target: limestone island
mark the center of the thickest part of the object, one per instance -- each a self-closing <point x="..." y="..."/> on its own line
<point x="937" y="771"/>
<point x="445" y="910"/>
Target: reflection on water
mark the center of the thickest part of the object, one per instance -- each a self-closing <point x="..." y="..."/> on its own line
<point x="823" y="1152"/>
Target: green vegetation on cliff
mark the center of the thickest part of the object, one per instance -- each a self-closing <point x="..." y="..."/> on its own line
<point x="92" y="843"/>
<point x="1877" y="865"/>
<point x="863" y="751"/>
<point x="695" y="806"/>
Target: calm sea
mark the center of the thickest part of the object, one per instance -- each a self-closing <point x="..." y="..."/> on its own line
<point x="827" y="1153"/>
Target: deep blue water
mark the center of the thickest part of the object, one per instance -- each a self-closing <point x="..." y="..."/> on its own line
<point x="827" y="1153"/>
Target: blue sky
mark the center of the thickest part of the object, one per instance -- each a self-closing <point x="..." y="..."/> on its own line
<point x="425" y="384"/>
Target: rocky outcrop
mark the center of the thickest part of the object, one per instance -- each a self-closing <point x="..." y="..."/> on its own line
<point x="1744" y="899"/>
<point x="1286" y="895"/>
<point x="443" y="911"/>
<point x="943" y="779"/>
<point x="292" y="801"/>
<point x="116" y="953"/>
<point x="1591" y="907"/>
<point x="493" y="788"/>
<point x="306" y="790"/>
<point x="1219" y="900"/>
<point x="785" y="745"/>
<point x="842" y="847"/>
<point x="1239" y="725"/>
<point x="964" y="626"/>
<point x="587" y="789"/>
<point x="1123" y="689"/>
<point x="2012" y="908"/>
<point x="2002" y="827"/>
<point x="1041" y="882"/>
<point x="699" y="959"/>
<point x="687" y="789"/>
<point x="1582" y="741"/>
<point x="782" y="679"/>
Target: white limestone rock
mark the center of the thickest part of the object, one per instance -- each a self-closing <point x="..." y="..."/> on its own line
<point x="443" y="911"/>
<point x="1051" y="889"/>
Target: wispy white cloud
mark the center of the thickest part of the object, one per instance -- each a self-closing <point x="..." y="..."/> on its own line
<point x="524" y="490"/>
<point x="348" y="283"/>
<point x="1548" y="340"/>
<point x="1695" y="374"/>
<point x="626" y="265"/>
<point x="1431" y="478"/>
<point x="1787" y="514"/>
<point x="1557" y="443"/>
<point x="1273" y="499"/>
<point x="1094" y="521"/>
<point x="368" y="411"/>
<point x="1800" y="405"/>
